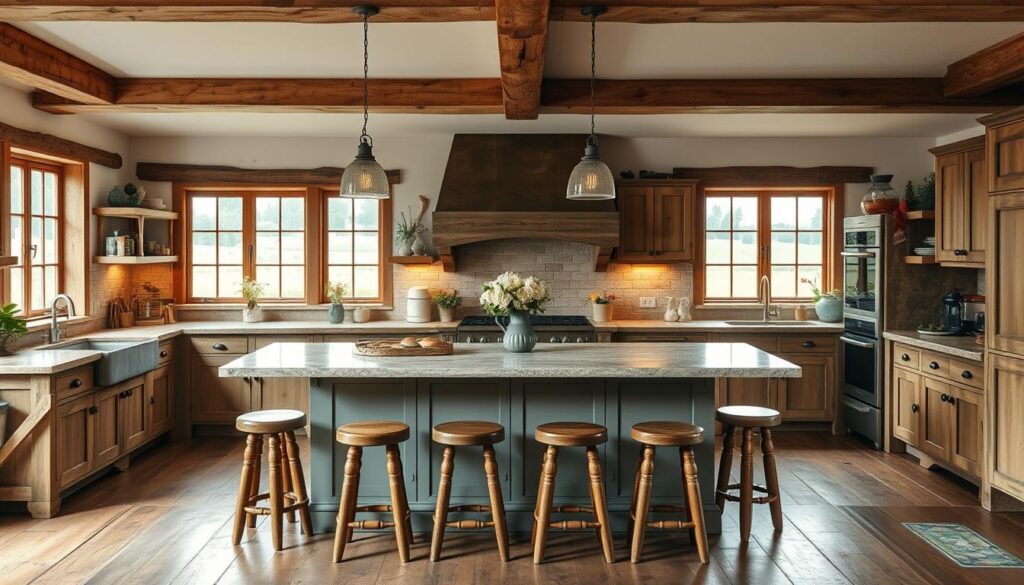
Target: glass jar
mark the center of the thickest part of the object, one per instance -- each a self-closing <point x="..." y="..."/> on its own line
<point x="880" y="196"/>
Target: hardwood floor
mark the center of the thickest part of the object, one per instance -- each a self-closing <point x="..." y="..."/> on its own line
<point x="167" y="519"/>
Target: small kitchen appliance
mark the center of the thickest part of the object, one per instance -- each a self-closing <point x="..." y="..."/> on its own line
<point x="418" y="305"/>
<point x="974" y="313"/>
<point x="953" y="312"/>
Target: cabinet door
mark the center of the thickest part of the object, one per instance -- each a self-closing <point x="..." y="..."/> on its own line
<point x="935" y="419"/>
<point x="1005" y="272"/>
<point x="134" y="409"/>
<point x="949" y="207"/>
<point x="109" y="436"/>
<point x="75" y="454"/>
<point x="810" y="396"/>
<point x="216" y="399"/>
<point x="1005" y="155"/>
<point x="1005" y="433"/>
<point x="160" y="400"/>
<point x="673" y="220"/>
<point x="906" y="404"/>
<point x="965" y="408"/>
<point x="975" y="207"/>
<point x="277" y="393"/>
<point x="636" y="223"/>
<point x="747" y="392"/>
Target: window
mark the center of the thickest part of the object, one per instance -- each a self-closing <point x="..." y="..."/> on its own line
<point x="260" y="235"/>
<point x="355" y="246"/>
<point x="780" y="234"/>
<point x="35" y="234"/>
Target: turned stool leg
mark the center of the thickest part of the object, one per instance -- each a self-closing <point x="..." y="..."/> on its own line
<point x="631" y="520"/>
<point x="444" y="492"/>
<point x="642" y="502"/>
<point x="276" y="494"/>
<point x="244" y="489"/>
<point x="497" y="502"/>
<point x="771" y="477"/>
<point x="254" y="485"/>
<point x="693" y="502"/>
<point x="540" y="486"/>
<point x="286" y="476"/>
<point x="347" y="502"/>
<point x="544" y="497"/>
<point x="400" y="511"/>
<point x="600" y="503"/>
<point x="746" y="484"/>
<point x="298" y="481"/>
<point x="725" y="465"/>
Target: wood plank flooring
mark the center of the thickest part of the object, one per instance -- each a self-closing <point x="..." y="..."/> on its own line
<point x="167" y="519"/>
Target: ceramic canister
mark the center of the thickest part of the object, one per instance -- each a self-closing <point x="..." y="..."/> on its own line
<point x="418" y="305"/>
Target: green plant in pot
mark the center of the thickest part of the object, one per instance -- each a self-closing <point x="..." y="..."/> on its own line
<point x="447" y="300"/>
<point x="335" y="293"/>
<point x="12" y="327"/>
<point x="406" y="232"/>
<point x="252" y="291"/>
<point x="828" y="305"/>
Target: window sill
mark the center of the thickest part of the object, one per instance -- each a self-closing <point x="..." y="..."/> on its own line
<point x="37" y="324"/>
<point x="277" y="307"/>
<point x="731" y="306"/>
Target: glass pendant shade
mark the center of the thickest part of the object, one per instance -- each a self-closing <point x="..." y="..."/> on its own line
<point x="364" y="178"/>
<point x="591" y="179"/>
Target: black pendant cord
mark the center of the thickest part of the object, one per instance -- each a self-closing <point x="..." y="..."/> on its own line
<point x="365" y="138"/>
<point x="592" y="139"/>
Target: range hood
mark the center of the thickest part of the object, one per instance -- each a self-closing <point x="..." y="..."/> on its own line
<point x="500" y="186"/>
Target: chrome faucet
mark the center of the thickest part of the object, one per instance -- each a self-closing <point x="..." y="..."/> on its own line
<point x="764" y="295"/>
<point x="69" y="305"/>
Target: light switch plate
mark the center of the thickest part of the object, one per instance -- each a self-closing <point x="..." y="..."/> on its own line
<point x="648" y="302"/>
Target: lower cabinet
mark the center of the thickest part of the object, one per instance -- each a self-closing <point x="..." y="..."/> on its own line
<point x="276" y="393"/>
<point x="216" y="399"/>
<point x="906" y="402"/>
<point x="75" y="440"/>
<point x="809" y="397"/>
<point x="108" y="438"/>
<point x="748" y="391"/>
<point x="935" y="431"/>
<point x="134" y="408"/>
<point x="160" y="399"/>
<point x="1005" y="377"/>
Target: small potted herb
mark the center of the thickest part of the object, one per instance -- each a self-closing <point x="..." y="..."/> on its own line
<point x="602" y="305"/>
<point x="828" y="306"/>
<point x="251" y="292"/>
<point x="12" y="327"/>
<point x="335" y="293"/>
<point x="447" y="300"/>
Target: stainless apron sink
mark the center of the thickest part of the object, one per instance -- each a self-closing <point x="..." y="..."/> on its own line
<point x="120" y="359"/>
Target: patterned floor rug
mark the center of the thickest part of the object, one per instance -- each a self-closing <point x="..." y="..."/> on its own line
<point x="964" y="546"/>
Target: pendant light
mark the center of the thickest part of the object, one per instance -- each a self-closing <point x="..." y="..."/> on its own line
<point x="591" y="179"/>
<point x="364" y="178"/>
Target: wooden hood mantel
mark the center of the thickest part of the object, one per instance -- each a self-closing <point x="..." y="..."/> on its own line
<point x="503" y="186"/>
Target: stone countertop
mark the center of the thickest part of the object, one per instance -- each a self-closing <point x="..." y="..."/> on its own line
<point x="958" y="346"/>
<point x="653" y="326"/>
<point x="548" y="360"/>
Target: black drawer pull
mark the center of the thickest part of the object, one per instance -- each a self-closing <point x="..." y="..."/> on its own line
<point x="934" y="365"/>
<point x="914" y="408"/>
<point x="129" y="392"/>
<point x="951" y="400"/>
<point x="152" y="399"/>
<point x="944" y="397"/>
<point x="809" y="344"/>
<point x="75" y="383"/>
<point x="966" y="375"/>
<point x="93" y="410"/>
<point x="121" y="394"/>
<point x="219" y="347"/>
<point x="905" y="357"/>
<point x="163" y="354"/>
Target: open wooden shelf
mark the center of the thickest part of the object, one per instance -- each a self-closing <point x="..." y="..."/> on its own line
<point x="413" y="260"/>
<point x="135" y="213"/>
<point x="135" y="259"/>
<point x="921" y="214"/>
<point x="919" y="259"/>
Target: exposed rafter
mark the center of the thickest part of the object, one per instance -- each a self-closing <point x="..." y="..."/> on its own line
<point x="989" y="69"/>
<point x="522" y="36"/>
<point x="29" y="60"/>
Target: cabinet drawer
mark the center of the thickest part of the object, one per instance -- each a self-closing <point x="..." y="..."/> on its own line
<point x="220" y="345"/>
<point x="967" y="373"/>
<point x="166" y="353"/>
<point x="660" y="337"/>
<point x="262" y="341"/>
<point x="73" y="382"/>
<point x="807" y="343"/>
<point x="769" y="343"/>
<point x="906" y="356"/>
<point x="935" y="364"/>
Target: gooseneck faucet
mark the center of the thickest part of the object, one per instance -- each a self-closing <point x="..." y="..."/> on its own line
<point x="69" y="305"/>
<point x="764" y="295"/>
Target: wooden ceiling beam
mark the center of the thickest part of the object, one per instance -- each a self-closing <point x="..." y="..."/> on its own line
<point x="640" y="11"/>
<point x="989" y="69"/>
<point x="36" y="63"/>
<point x="522" y="36"/>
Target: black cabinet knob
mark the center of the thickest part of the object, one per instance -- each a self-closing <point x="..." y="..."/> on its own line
<point x="121" y="394"/>
<point x="152" y="399"/>
<point x="93" y="410"/>
<point x="809" y="343"/>
<point x="163" y="354"/>
<point x="966" y="375"/>
<point x="944" y="397"/>
<point x="75" y="383"/>
<point x="914" y="408"/>
<point x="650" y="252"/>
<point x="905" y="357"/>
<point x="219" y="347"/>
<point x="934" y="365"/>
<point x="951" y="400"/>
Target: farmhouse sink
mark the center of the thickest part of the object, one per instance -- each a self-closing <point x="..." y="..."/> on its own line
<point x="120" y="359"/>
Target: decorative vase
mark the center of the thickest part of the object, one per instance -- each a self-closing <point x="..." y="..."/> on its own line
<point x="404" y="247"/>
<point x="671" y="314"/>
<point x="419" y="247"/>
<point x="8" y="344"/>
<point x="829" y="309"/>
<point x="361" y="314"/>
<point x="518" y="336"/>
<point x="252" y="315"/>
<point x="336" y="313"/>
<point x="602" y="312"/>
<point x="447" y="314"/>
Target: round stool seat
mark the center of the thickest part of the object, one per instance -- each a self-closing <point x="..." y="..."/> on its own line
<point x="667" y="434"/>
<point x="266" y="422"/>
<point x="372" y="433"/>
<point x="468" y="432"/>
<point x="571" y="434"/>
<point x="748" y="416"/>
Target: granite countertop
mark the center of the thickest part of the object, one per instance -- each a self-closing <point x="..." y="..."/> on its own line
<point x="711" y="326"/>
<point x="548" y="360"/>
<point x="958" y="346"/>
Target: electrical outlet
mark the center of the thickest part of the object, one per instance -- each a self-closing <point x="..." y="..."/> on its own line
<point x="648" y="302"/>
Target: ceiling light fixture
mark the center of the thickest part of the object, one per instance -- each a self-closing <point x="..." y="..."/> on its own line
<point x="591" y="179"/>
<point x="364" y="178"/>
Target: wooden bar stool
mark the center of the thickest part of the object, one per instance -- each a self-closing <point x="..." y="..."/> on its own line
<point x="666" y="434"/>
<point x="571" y="434"/>
<point x="378" y="433"/>
<point x="287" y="483"/>
<point x="748" y="418"/>
<point x="469" y="434"/>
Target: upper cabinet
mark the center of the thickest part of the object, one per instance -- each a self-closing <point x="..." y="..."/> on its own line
<point x="656" y="221"/>
<point x="1005" y="151"/>
<point x="961" y="203"/>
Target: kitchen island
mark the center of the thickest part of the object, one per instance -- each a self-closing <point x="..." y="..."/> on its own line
<point x="612" y="385"/>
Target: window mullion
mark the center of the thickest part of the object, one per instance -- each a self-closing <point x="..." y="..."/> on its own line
<point x="249" y="235"/>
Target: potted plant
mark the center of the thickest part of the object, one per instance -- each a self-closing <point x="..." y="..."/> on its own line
<point x="827" y="306"/>
<point x="447" y="300"/>
<point x="335" y="292"/>
<point x="515" y="297"/>
<point x="12" y="327"/>
<point x="251" y="292"/>
<point x="406" y="232"/>
<point x="602" y="305"/>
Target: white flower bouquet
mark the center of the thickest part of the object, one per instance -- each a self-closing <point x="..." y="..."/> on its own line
<point x="510" y="293"/>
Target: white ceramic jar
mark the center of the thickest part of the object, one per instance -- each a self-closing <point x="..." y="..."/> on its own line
<point x="418" y="305"/>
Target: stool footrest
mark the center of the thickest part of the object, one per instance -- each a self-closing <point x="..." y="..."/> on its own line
<point x="572" y="509"/>
<point x="670" y="524"/>
<point x="469" y="508"/>
<point x="375" y="508"/>
<point x="669" y="508"/>
<point x="370" y="524"/>
<point x="573" y="525"/>
<point x="469" y="524"/>
<point x="766" y="499"/>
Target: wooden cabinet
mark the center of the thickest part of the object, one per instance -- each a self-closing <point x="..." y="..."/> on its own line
<point x="810" y="396"/>
<point x="656" y="221"/>
<point x="1005" y="272"/>
<point x="935" y="418"/>
<point x="965" y="424"/>
<point x="160" y="400"/>
<point x="1004" y="431"/>
<point x="748" y="391"/>
<point x="108" y="417"/>
<point x="1004" y="150"/>
<point x="906" y="401"/>
<point x="134" y="412"/>
<point x="658" y="337"/>
<point x="961" y="203"/>
<point x="216" y="399"/>
<point x="274" y="393"/>
<point x="75" y="452"/>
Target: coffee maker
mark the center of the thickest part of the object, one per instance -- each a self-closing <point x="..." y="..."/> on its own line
<point x="974" y="313"/>
<point x="953" y="312"/>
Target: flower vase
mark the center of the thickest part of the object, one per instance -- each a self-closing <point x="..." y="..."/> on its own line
<point x="252" y="314"/>
<point x="447" y="314"/>
<point x="602" y="312"/>
<point x="518" y="336"/>
<point x="336" y="313"/>
<point x="404" y="247"/>
<point x="419" y="247"/>
<point x="829" y="309"/>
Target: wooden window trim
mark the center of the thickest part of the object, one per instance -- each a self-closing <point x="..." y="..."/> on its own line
<point x="28" y="164"/>
<point x="831" y="238"/>
<point x="386" y="273"/>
